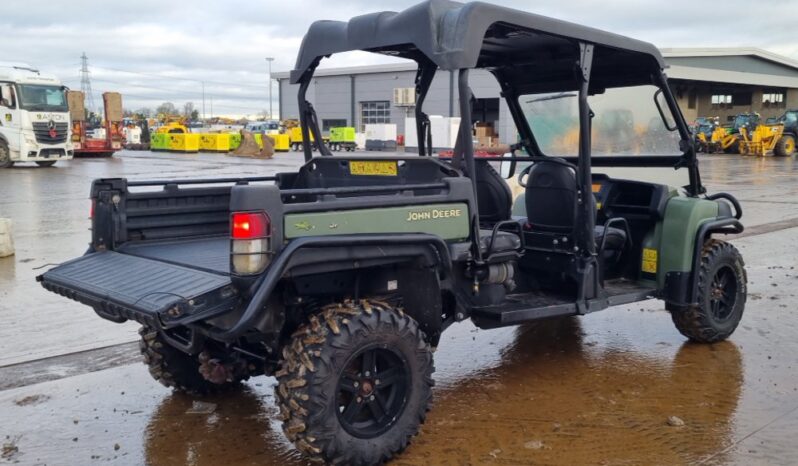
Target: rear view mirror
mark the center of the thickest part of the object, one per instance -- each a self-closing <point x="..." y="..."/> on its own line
<point x="664" y="110"/>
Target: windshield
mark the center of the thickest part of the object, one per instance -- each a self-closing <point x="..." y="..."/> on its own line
<point x="42" y="98"/>
<point x="626" y="122"/>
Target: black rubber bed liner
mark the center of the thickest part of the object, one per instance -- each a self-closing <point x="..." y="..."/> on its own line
<point x="209" y="254"/>
<point x="121" y="286"/>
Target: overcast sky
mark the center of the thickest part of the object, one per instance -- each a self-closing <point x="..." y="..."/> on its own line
<point x="154" y="51"/>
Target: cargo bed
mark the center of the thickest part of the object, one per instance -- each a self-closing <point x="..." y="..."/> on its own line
<point x="208" y="254"/>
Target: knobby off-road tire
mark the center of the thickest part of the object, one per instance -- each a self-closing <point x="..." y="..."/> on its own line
<point x="785" y="147"/>
<point x="176" y="369"/>
<point x="5" y="156"/>
<point x="722" y="292"/>
<point x="355" y="383"/>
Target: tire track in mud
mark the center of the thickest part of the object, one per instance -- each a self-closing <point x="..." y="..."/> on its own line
<point x="67" y="365"/>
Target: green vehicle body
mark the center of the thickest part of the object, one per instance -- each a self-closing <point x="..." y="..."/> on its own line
<point x="448" y="221"/>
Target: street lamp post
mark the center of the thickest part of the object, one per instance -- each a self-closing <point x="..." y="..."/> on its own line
<point x="270" y="60"/>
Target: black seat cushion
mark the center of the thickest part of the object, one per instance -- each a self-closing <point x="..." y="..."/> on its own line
<point x="551" y="197"/>
<point x="505" y="241"/>
<point x="494" y="198"/>
<point x="616" y="238"/>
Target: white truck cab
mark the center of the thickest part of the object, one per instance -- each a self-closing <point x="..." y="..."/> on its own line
<point x="34" y="117"/>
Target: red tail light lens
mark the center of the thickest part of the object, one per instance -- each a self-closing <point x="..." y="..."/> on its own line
<point x="250" y="225"/>
<point x="250" y="234"/>
<point x="91" y="209"/>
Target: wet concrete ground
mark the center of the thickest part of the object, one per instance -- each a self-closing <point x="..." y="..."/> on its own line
<point x="593" y="390"/>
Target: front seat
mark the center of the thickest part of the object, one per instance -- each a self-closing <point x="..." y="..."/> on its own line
<point x="551" y="194"/>
<point x="494" y="198"/>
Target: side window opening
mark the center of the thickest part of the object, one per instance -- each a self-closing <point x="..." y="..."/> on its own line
<point x="7" y="97"/>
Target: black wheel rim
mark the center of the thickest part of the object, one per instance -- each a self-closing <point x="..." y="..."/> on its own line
<point x="723" y="293"/>
<point x="372" y="391"/>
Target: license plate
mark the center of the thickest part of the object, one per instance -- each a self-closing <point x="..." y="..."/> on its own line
<point x="373" y="167"/>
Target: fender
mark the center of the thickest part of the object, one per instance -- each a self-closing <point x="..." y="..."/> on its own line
<point x="264" y="285"/>
<point x="681" y="287"/>
<point x="720" y="226"/>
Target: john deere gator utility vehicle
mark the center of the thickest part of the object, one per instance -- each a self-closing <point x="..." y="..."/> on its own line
<point x="339" y="279"/>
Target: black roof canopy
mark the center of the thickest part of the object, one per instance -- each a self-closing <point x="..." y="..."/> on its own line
<point x="531" y="52"/>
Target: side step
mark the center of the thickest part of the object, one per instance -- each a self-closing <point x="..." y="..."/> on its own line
<point x="523" y="308"/>
<point x="121" y="287"/>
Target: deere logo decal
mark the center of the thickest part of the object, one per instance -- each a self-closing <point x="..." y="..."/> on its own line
<point x="415" y="216"/>
<point x="304" y="226"/>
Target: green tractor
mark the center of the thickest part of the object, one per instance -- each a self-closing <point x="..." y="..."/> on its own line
<point x="340" y="278"/>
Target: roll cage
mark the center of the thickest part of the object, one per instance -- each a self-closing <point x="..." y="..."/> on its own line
<point x="526" y="53"/>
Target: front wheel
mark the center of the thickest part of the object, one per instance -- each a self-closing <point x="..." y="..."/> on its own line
<point x="722" y="283"/>
<point x="5" y="156"/>
<point x="785" y="147"/>
<point x="355" y="383"/>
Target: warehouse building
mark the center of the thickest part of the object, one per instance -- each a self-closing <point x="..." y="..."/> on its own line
<point x="707" y="82"/>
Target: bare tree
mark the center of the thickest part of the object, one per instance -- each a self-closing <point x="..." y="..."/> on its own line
<point x="167" y="108"/>
<point x="188" y="109"/>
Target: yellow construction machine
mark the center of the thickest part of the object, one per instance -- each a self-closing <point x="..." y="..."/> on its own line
<point x="172" y="125"/>
<point x="711" y="137"/>
<point x="760" y="140"/>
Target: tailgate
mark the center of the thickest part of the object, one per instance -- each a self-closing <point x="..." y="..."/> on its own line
<point x="149" y="291"/>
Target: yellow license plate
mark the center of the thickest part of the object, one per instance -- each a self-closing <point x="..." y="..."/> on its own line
<point x="373" y="167"/>
<point x="649" y="264"/>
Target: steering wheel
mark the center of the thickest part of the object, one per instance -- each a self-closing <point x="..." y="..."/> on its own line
<point x="537" y="160"/>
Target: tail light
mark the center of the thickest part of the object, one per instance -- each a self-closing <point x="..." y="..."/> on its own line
<point x="250" y="235"/>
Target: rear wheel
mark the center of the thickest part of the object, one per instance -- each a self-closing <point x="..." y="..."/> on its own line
<point x="722" y="283"/>
<point x="355" y="383"/>
<point x="176" y="369"/>
<point x="5" y="156"/>
<point x="785" y="147"/>
<point x="48" y="163"/>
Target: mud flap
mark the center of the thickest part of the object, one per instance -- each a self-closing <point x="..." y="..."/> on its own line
<point x="155" y="293"/>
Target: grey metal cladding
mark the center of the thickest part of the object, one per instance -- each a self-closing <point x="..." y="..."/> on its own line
<point x="448" y="33"/>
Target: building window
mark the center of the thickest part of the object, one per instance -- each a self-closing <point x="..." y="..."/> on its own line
<point x="692" y="96"/>
<point x="773" y="99"/>
<point x="743" y="98"/>
<point x="374" y="112"/>
<point x="721" y="100"/>
<point x="326" y="124"/>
